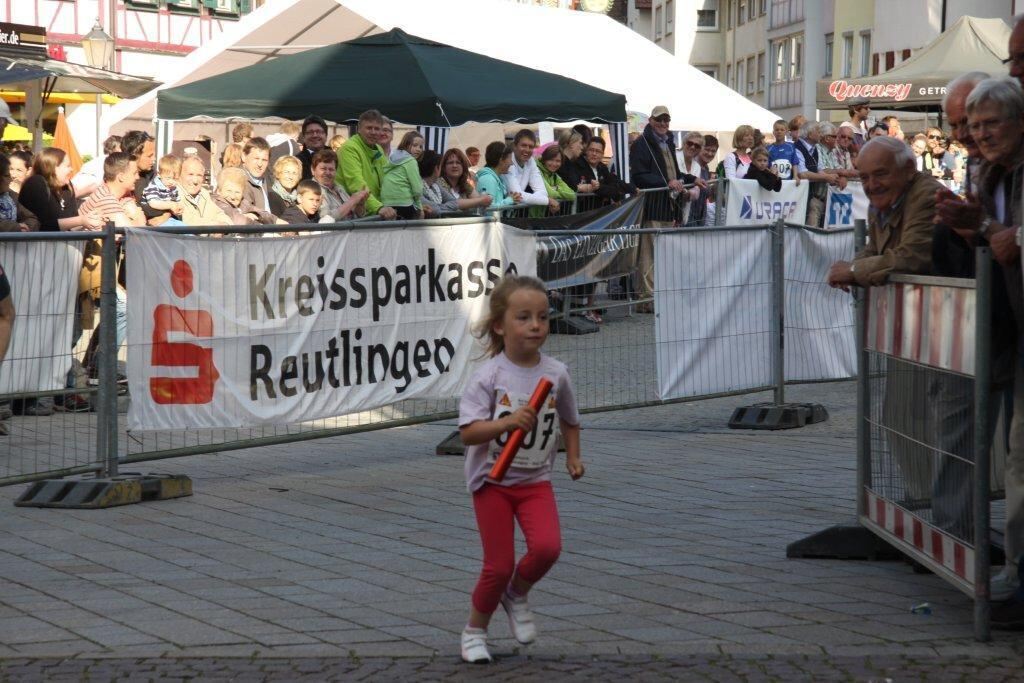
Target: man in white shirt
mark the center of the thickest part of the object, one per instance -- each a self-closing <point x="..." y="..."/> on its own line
<point x="523" y="175"/>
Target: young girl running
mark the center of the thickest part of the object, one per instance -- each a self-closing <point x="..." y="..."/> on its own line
<point x="493" y="405"/>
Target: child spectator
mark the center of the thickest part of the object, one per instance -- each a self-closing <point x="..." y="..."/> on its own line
<point x="782" y="155"/>
<point x="162" y="193"/>
<point x="402" y="187"/>
<point x="473" y="157"/>
<point x="232" y="156"/>
<point x="760" y="171"/>
<point x="307" y="208"/>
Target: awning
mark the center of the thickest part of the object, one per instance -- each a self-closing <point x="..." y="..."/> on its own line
<point x="73" y="78"/>
<point x="18" y="96"/>
<point x="13" y="133"/>
<point x="970" y="44"/>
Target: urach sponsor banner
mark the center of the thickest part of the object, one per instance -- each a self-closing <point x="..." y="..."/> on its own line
<point x="843" y="207"/>
<point x="234" y="332"/>
<point x="603" y="248"/>
<point x="750" y="204"/>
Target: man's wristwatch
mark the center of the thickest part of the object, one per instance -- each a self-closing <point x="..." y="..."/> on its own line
<point x="853" y="267"/>
<point x="983" y="227"/>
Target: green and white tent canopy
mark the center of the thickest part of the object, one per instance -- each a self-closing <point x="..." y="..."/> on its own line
<point x="413" y="80"/>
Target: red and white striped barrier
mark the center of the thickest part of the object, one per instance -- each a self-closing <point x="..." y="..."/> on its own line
<point x="940" y="549"/>
<point x="927" y="324"/>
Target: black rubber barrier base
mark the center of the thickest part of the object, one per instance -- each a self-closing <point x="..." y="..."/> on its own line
<point x="854" y="542"/>
<point x="573" y="324"/>
<point x="452" y="445"/>
<point x="843" y="542"/>
<point x="124" y="489"/>
<point x="781" y="416"/>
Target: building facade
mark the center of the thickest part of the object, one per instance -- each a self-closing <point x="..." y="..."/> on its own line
<point x="774" y="51"/>
<point x="150" y="36"/>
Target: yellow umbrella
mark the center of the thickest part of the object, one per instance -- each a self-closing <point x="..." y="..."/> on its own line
<point x="62" y="140"/>
<point x="13" y="133"/>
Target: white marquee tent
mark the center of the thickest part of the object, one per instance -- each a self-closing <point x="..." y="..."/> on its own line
<point x="588" y="47"/>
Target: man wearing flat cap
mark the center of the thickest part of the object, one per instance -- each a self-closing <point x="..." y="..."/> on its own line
<point x="653" y="164"/>
<point x="859" y="108"/>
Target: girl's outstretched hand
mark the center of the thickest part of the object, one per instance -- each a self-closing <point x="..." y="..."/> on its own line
<point x="575" y="468"/>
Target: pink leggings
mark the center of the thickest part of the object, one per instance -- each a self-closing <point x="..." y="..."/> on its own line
<point x="496" y="507"/>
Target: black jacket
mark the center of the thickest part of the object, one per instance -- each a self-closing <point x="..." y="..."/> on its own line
<point x="765" y="179"/>
<point x="612" y="188"/>
<point x="647" y="169"/>
<point x="293" y="215"/>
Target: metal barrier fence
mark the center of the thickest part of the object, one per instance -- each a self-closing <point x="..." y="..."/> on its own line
<point x="613" y="368"/>
<point x="926" y="420"/>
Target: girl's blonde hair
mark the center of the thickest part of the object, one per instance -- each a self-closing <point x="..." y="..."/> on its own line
<point x="337" y="142"/>
<point x="232" y="156"/>
<point x="408" y="139"/>
<point x="500" y="295"/>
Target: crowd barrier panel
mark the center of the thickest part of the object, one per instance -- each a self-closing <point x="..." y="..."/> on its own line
<point x="49" y="379"/>
<point x="615" y="368"/>
<point x="926" y="418"/>
<point x="817" y="212"/>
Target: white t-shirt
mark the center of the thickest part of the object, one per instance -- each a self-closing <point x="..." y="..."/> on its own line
<point x="498" y="388"/>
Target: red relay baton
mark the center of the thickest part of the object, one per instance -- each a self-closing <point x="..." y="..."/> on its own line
<point x="508" y="453"/>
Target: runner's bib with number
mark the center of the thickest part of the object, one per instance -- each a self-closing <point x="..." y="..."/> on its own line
<point x="540" y="444"/>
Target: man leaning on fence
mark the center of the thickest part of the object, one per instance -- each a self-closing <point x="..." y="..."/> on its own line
<point x="900" y="221"/>
<point x="652" y="164"/>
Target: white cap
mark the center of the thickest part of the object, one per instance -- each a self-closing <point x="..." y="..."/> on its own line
<point x="5" y="113"/>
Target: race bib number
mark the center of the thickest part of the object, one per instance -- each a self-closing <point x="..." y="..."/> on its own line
<point x="539" y="444"/>
<point x="784" y="168"/>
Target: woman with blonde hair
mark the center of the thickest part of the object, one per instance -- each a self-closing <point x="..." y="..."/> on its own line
<point x="570" y="145"/>
<point x="736" y="164"/>
<point x="287" y="174"/>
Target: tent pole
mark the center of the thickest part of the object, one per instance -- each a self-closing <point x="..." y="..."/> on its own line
<point x="164" y="136"/>
<point x="99" y="113"/>
<point x="34" y="114"/>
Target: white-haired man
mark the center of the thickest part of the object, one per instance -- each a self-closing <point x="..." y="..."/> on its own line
<point x="900" y="223"/>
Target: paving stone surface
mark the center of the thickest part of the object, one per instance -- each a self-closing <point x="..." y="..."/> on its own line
<point x="353" y="558"/>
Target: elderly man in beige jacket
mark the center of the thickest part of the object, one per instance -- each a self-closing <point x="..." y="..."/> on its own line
<point x="900" y="225"/>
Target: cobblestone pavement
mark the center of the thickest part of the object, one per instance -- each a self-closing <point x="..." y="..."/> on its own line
<point x="353" y="557"/>
<point x="721" y="669"/>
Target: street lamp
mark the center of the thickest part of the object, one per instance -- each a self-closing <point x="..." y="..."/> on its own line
<point x="99" y="47"/>
<point x="99" y="52"/>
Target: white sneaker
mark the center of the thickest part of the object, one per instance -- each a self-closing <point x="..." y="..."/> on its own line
<point x="1004" y="584"/>
<point x="520" y="618"/>
<point x="474" y="646"/>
